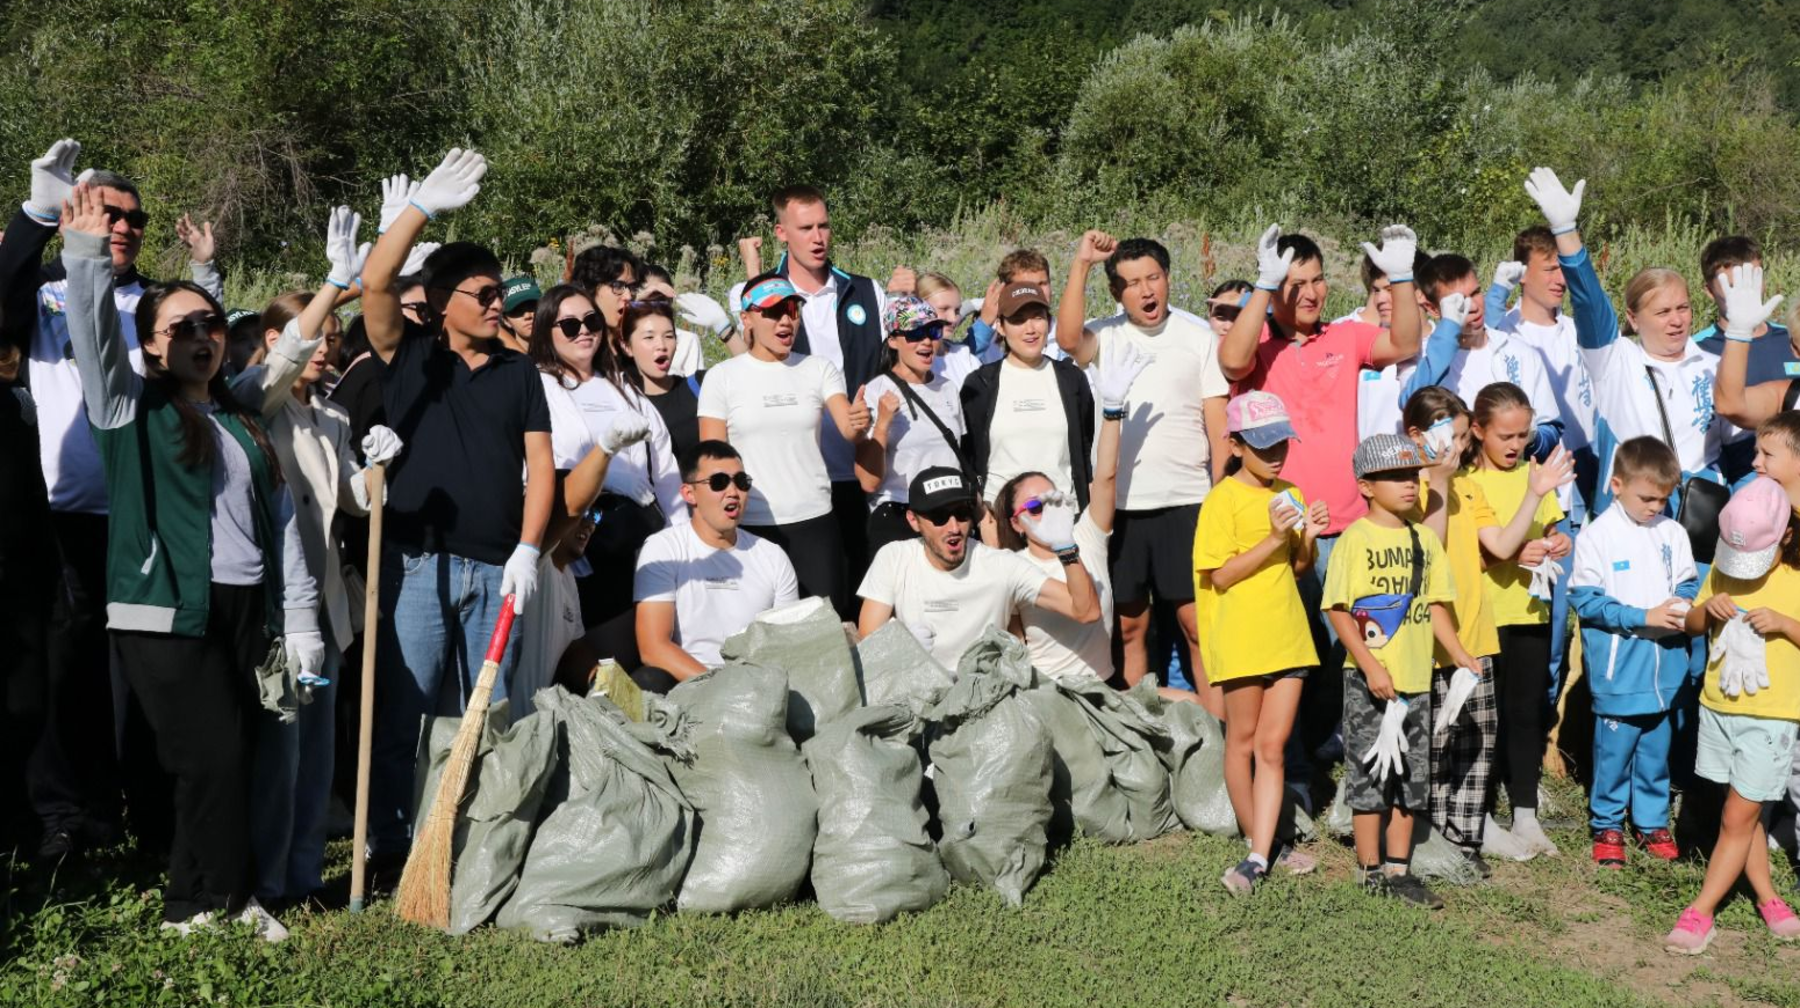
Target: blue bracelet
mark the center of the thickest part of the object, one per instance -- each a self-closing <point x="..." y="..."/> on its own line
<point x="1262" y="287"/>
<point x="1563" y="230"/>
<point x="1402" y="278"/>
<point x="428" y="214"/>
<point x="1108" y="414"/>
<point x="40" y="218"/>
<point x="334" y="283"/>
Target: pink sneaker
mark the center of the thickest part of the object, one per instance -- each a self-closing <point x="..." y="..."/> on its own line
<point x="1780" y="919"/>
<point x="1693" y="932"/>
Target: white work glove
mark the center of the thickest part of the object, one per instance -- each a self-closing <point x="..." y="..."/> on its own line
<point x="1120" y="364"/>
<point x="1440" y="436"/>
<point x="416" y="256"/>
<point x="452" y="184"/>
<point x="626" y="431"/>
<point x="52" y="180"/>
<point x="1743" y="668"/>
<point x="1462" y="686"/>
<point x="1508" y="273"/>
<point x="1560" y="206"/>
<point x="1285" y="509"/>
<point x="305" y="652"/>
<point x="1544" y="575"/>
<point x="340" y="247"/>
<point x="1740" y="298"/>
<point x="397" y="194"/>
<point x="972" y="306"/>
<point x="519" y="577"/>
<point x="1454" y="308"/>
<point x="381" y="444"/>
<point x="703" y="312"/>
<point x="1385" y="758"/>
<point x="359" y="491"/>
<point x="922" y="633"/>
<point x="1054" y="528"/>
<point x="1271" y="265"/>
<point x="1399" y="246"/>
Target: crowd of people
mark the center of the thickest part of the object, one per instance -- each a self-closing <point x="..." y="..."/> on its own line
<point x="1353" y="539"/>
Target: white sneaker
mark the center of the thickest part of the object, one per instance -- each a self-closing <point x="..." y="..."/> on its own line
<point x="203" y="919"/>
<point x="262" y="922"/>
<point x="1528" y="831"/>
<point x="1497" y="842"/>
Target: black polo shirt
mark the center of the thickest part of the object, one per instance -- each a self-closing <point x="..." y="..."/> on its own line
<point x="458" y="486"/>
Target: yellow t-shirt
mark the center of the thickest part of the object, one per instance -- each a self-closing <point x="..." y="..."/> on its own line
<point x="1473" y="608"/>
<point x="1509" y="585"/>
<point x="1371" y="561"/>
<point x="1258" y="625"/>
<point x="1779" y="589"/>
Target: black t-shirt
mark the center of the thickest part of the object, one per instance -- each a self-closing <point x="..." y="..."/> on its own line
<point x="458" y="486"/>
<point x="359" y="392"/>
<point x="680" y="410"/>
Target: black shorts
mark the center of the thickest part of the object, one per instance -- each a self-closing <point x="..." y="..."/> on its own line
<point x="1152" y="553"/>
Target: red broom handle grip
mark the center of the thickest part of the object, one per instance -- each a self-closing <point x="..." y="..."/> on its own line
<point x="502" y="630"/>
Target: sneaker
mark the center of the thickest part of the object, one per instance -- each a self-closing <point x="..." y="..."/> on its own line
<point x="1780" y="919"/>
<point x="262" y="922"/>
<point x="1375" y="883"/>
<point x="1609" y="848"/>
<point x="1479" y="863"/>
<point x="1409" y="889"/>
<point x="1693" y="932"/>
<point x="203" y="919"/>
<point x="1242" y="880"/>
<point x="1295" y="861"/>
<point x="1659" y="842"/>
<point x="1499" y="842"/>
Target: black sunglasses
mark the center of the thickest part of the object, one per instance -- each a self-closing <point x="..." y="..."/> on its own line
<point x="718" y="481"/>
<point x="1225" y="312"/>
<point x="134" y="219"/>
<point x="485" y="297"/>
<point x="622" y="288"/>
<point x="945" y="515"/>
<point x="572" y="327"/>
<point x="200" y="325"/>
<point x="934" y="331"/>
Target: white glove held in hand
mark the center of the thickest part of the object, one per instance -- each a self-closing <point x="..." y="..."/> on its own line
<point x="305" y="651"/>
<point x="381" y="444"/>
<point x="1454" y="308"/>
<point x="340" y="247"/>
<point x="416" y="256"/>
<point x="1271" y="265"/>
<point x="626" y="431"/>
<point x="520" y="575"/>
<point x="1399" y="246"/>
<point x="1508" y="274"/>
<point x="397" y="194"/>
<point x="359" y="492"/>
<point x="1544" y="575"/>
<point x="1440" y="436"/>
<point x="922" y="633"/>
<point x="1462" y="686"/>
<point x="1740" y="298"/>
<point x="703" y="312"/>
<point x="452" y="184"/>
<point x="1285" y="510"/>
<point x="1385" y="758"/>
<point x="972" y="306"/>
<point x="1744" y="668"/>
<point x="52" y="180"/>
<point x="1054" y="528"/>
<point x="1120" y="364"/>
<point x="1560" y="206"/>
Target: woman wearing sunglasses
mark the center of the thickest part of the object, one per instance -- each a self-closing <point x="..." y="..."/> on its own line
<point x="205" y="563"/>
<point x="918" y="422"/>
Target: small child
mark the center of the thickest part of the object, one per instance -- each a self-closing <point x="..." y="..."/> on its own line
<point x="1386" y="596"/>
<point x="1255" y="534"/>
<point x="1632" y="585"/>
<point x="1750" y="706"/>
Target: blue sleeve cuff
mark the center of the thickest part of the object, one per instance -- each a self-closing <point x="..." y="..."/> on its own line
<point x="981" y="336"/>
<point x="1580" y="256"/>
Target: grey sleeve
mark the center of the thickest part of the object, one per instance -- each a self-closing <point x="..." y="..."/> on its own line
<point x="109" y="387"/>
<point x="209" y="278"/>
<point x="299" y="591"/>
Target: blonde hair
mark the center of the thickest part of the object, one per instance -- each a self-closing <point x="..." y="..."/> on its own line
<point x="932" y="284"/>
<point x="1640" y="287"/>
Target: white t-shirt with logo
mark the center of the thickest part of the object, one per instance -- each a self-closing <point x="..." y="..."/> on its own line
<point x="646" y="471"/>
<point x="773" y="411"/>
<point x="1164" y="456"/>
<point x="1060" y="647"/>
<point x="914" y="443"/>
<point x="1029" y="431"/>
<point x="987" y="590"/>
<point x="717" y="592"/>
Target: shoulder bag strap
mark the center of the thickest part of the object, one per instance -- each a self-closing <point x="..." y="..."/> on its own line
<point x="1662" y="411"/>
<point x="919" y="405"/>
<point x="1418" y="561"/>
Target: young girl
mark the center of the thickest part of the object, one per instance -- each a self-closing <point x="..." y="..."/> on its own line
<point x="1257" y="645"/>
<point x="1502" y="430"/>
<point x="1750" y="704"/>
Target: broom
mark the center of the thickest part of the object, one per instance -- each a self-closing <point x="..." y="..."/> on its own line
<point x="374" y="476"/>
<point x="424" y="896"/>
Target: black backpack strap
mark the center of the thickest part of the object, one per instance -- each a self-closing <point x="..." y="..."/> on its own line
<point x="1418" y="561"/>
<point x="1792" y="395"/>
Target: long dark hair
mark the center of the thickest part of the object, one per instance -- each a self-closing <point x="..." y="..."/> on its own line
<point x="543" y="333"/>
<point x="198" y="447"/>
<point x="616" y="354"/>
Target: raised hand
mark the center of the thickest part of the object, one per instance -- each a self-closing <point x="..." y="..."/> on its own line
<point x="1272" y="264"/>
<point x="52" y="180"/>
<point x="341" y="249"/>
<point x="1120" y="365"/>
<point x="702" y="312"/>
<point x="198" y="238"/>
<point x="1508" y="274"/>
<point x="1556" y="471"/>
<point x="1055" y="527"/>
<point x="1095" y="247"/>
<point x="905" y="280"/>
<point x="1740" y="298"/>
<point x="1454" y="308"/>
<point x="1394" y="256"/>
<point x="626" y="431"/>
<point x="84" y="212"/>
<point x="1560" y="206"/>
<point x="416" y="256"/>
<point x="452" y="184"/>
<point x="397" y="192"/>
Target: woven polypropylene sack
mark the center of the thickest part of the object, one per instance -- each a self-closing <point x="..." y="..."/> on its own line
<point x="992" y="769"/>
<point x="895" y="668"/>
<point x="618" y="833"/>
<point x="806" y="640"/>
<point x="1082" y="795"/>
<point x="874" y="858"/>
<point x="754" y="797"/>
<point x="1197" y="763"/>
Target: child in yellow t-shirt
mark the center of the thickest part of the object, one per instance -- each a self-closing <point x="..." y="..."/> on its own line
<point x="1387" y="593"/>
<point x="1255" y="534"/>
<point x="1503" y="430"/>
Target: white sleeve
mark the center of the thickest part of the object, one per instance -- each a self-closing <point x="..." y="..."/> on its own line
<point x="1588" y="569"/>
<point x="1212" y="377"/>
<point x="787" y="585"/>
<point x="878" y="584"/>
<point x="1024" y="581"/>
<point x="715" y="394"/>
<point x="687" y="354"/>
<point x="657" y="572"/>
<point x="663" y="471"/>
<point x="831" y="380"/>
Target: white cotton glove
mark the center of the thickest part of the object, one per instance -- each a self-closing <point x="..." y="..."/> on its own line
<point x="52" y="180"/>
<point x="1285" y="509"/>
<point x="1440" y="436"/>
<point x="1271" y="265"/>
<point x="1120" y="364"/>
<point x="452" y="184"/>
<point x="381" y="444"/>
<point x="972" y="306"/>
<point x="1054" y="528"/>
<point x="1454" y="308"/>
<point x="1743" y="668"/>
<point x="922" y="633"/>
<point x="1508" y="273"/>
<point x="519" y="577"/>
<point x="340" y="247"/>
<point x="1740" y="298"/>
<point x="1384" y="758"/>
<point x="397" y="194"/>
<point x="626" y="431"/>
<point x="1462" y="686"/>
<point x="1544" y="575"/>
<point x="703" y="312"/>
<point x="1560" y="206"/>
<point x="1399" y="246"/>
<point x="416" y="256"/>
<point x="305" y="652"/>
<point x="359" y="492"/>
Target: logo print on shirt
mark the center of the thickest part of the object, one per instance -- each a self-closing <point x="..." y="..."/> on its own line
<point x="1512" y="368"/>
<point x="1029" y="406"/>
<point x="1702" y="390"/>
<point x="721" y="584"/>
<point x="781" y="399"/>
<point x="940" y="605"/>
<point x="1621" y="565"/>
<point x="856" y="315"/>
<point x="1668" y="556"/>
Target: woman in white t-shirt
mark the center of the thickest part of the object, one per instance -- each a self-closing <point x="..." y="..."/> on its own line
<point x="769" y="403"/>
<point x="918" y="421"/>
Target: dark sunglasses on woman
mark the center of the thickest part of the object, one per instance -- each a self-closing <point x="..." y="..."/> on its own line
<point x="923" y="333"/>
<point x="572" y="327"/>
<point x="198" y="326"/>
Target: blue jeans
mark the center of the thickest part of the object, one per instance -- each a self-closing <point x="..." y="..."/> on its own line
<point x="294" y="765"/>
<point x="440" y="613"/>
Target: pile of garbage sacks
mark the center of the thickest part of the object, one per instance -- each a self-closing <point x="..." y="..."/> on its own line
<point x="866" y="776"/>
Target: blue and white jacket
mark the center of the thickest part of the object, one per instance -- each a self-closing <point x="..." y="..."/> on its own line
<point x="1621" y="570"/>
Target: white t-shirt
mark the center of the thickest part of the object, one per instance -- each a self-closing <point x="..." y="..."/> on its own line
<point x="646" y="471"/>
<point x="66" y="449"/>
<point x="570" y="438"/>
<point x="956" y="363"/>
<point x="717" y="592"/>
<point x="1029" y="431"/>
<point x="773" y="411"/>
<point x="1568" y="376"/>
<point x="1503" y="359"/>
<point x="1378" y="406"/>
<point x="688" y="357"/>
<point x="914" y="444"/>
<point x="818" y="313"/>
<point x="1164" y="455"/>
<point x="987" y="590"/>
<point x="1061" y="647"/>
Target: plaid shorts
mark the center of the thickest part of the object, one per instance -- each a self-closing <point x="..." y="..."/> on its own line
<point x="1362" y="725"/>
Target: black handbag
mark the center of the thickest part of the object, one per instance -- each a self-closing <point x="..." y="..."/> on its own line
<point x="1699" y="500"/>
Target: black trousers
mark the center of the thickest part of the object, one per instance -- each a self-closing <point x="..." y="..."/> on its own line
<point x="816" y="551"/>
<point x="1521" y="678"/>
<point x="199" y="696"/>
<point x="851" y="508"/>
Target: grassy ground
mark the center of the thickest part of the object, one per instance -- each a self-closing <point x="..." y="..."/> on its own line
<point x="1145" y="926"/>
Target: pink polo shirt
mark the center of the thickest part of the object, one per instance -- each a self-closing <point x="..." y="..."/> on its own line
<point x="1317" y="380"/>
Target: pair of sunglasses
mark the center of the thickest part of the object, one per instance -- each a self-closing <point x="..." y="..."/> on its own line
<point x="945" y="515"/>
<point x="485" y="297"/>
<point x="718" y="481"/>
<point x="198" y="326"/>
<point x="1035" y="506"/>
<point x="134" y="219"/>
<point x="923" y="333"/>
<point x="572" y="327"/>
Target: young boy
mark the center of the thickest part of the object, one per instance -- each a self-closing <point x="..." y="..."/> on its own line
<point x="1387" y="600"/>
<point x="1633" y="581"/>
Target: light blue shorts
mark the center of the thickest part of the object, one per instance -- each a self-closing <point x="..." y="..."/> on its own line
<point x="1752" y="754"/>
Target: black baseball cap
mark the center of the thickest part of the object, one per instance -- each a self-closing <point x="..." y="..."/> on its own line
<point x="938" y="487"/>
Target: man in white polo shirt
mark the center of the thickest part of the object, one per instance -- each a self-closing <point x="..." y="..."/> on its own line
<point x="704" y="579"/>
